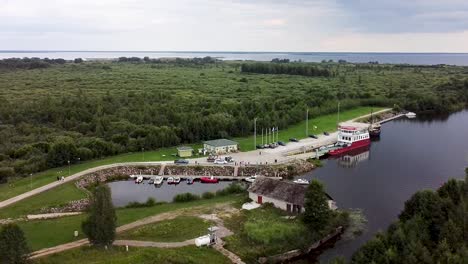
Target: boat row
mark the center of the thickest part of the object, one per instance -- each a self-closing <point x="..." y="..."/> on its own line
<point x="158" y="180"/>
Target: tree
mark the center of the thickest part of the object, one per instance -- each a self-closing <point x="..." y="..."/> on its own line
<point x="101" y="223"/>
<point x="317" y="213"/>
<point x="13" y="246"/>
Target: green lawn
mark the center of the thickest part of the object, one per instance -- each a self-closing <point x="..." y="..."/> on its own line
<point x="58" y="196"/>
<point x="118" y="255"/>
<point x="264" y="232"/>
<point x="48" y="233"/>
<point x="323" y="123"/>
<point x="176" y="230"/>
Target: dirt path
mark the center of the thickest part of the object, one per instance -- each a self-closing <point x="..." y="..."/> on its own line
<point x="137" y="243"/>
<point x="148" y="220"/>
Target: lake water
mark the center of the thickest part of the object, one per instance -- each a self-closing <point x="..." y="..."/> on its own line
<point x="411" y="155"/>
<point x="124" y="192"/>
<point x="411" y="58"/>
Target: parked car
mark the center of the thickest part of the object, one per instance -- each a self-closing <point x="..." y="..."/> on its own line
<point x="229" y="159"/>
<point x="281" y="143"/>
<point x="259" y="147"/>
<point x="220" y="161"/>
<point x="313" y="136"/>
<point x="211" y="159"/>
<point x="181" y="161"/>
<point x="273" y="145"/>
<point x="293" y="140"/>
<point x="326" y="133"/>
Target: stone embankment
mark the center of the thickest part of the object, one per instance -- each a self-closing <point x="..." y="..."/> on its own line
<point x="284" y="171"/>
<point x="199" y="170"/>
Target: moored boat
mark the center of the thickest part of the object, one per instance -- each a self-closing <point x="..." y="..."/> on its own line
<point x="158" y="180"/>
<point x="351" y="136"/>
<point x="170" y="180"/>
<point x="410" y="115"/>
<point x="251" y="179"/>
<point x="209" y="179"/>
<point x="301" y="181"/>
<point x="139" y="179"/>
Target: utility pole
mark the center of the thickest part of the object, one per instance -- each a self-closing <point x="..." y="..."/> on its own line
<point x="143" y="153"/>
<point x="338" y="117"/>
<point x="307" y="122"/>
<point x="262" y="137"/>
<point x="255" y="133"/>
<point x="69" y="168"/>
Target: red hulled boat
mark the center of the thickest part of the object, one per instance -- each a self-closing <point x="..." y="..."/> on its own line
<point x="209" y="180"/>
<point x="351" y="136"/>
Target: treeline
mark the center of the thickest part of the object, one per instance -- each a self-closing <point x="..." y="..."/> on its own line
<point x="285" y="68"/>
<point x="84" y="126"/>
<point x="177" y="61"/>
<point x="28" y="63"/>
<point x="432" y="228"/>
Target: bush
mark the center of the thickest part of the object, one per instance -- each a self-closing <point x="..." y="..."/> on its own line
<point x="233" y="188"/>
<point x="5" y="173"/>
<point x="185" y="197"/>
<point x="149" y="203"/>
<point x="317" y="163"/>
<point x="208" y="195"/>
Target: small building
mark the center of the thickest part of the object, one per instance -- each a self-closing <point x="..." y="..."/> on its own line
<point x="284" y="195"/>
<point x="220" y="146"/>
<point x="184" y="151"/>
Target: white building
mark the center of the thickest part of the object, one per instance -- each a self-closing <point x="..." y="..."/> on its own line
<point x="284" y="195"/>
<point x="220" y="146"/>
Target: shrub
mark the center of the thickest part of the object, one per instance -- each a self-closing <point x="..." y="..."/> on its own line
<point x="5" y="173"/>
<point x="233" y="188"/>
<point x="149" y="203"/>
<point x="185" y="197"/>
<point x="208" y="195"/>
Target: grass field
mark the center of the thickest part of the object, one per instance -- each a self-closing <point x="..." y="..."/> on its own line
<point x="176" y="230"/>
<point x="48" y="233"/>
<point x="323" y="123"/>
<point x="54" y="197"/>
<point x="118" y="255"/>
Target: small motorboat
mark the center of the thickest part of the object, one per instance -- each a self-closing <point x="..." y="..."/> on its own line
<point x="176" y="180"/>
<point x="189" y="181"/>
<point x="170" y="180"/>
<point x="251" y="179"/>
<point x="209" y="179"/>
<point x="410" y="115"/>
<point x="151" y="181"/>
<point x="158" y="180"/>
<point x="139" y="179"/>
<point x="301" y="181"/>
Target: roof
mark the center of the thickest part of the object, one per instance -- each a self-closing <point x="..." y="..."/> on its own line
<point x="354" y="125"/>
<point x="280" y="190"/>
<point x="184" y="148"/>
<point x="220" y="142"/>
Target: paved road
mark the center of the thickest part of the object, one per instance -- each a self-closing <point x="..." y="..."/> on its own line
<point x="250" y="157"/>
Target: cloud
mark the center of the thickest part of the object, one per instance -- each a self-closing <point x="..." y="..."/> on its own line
<point x="244" y="25"/>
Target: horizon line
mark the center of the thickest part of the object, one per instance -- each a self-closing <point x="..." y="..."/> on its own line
<point x="227" y="51"/>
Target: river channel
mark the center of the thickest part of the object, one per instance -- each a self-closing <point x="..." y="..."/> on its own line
<point x="411" y="155"/>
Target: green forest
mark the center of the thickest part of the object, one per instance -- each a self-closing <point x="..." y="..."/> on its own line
<point x="54" y="111"/>
<point x="432" y="228"/>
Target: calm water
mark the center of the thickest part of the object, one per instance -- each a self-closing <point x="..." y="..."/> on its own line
<point x="411" y="58"/>
<point x="411" y="155"/>
<point x="124" y="192"/>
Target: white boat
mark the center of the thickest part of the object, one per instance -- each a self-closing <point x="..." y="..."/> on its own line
<point x="170" y="180"/>
<point x="139" y="179"/>
<point x="410" y="115"/>
<point x="301" y="181"/>
<point x="158" y="180"/>
<point x="251" y="179"/>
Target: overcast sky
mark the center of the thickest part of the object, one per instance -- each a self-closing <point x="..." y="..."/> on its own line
<point x="235" y="25"/>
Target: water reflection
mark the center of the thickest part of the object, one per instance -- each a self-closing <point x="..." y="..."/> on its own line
<point x="352" y="158"/>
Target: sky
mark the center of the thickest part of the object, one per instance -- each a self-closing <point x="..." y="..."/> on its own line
<point x="235" y="25"/>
